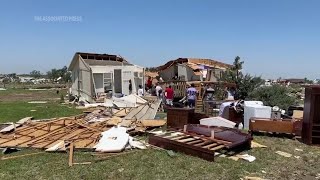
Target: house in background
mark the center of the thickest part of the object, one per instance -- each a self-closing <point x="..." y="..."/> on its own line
<point x="94" y="74"/>
<point x="25" y="79"/>
<point x="193" y="69"/>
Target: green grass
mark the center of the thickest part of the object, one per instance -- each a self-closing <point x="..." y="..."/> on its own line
<point x="13" y="111"/>
<point x="151" y="163"/>
<point x="157" y="164"/>
<point x="14" y="105"/>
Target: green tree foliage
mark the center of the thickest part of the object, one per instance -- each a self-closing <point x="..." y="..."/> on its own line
<point x="306" y="80"/>
<point x="54" y="74"/>
<point x="245" y="82"/>
<point x="275" y="95"/>
<point x="35" y="74"/>
<point x="5" y="81"/>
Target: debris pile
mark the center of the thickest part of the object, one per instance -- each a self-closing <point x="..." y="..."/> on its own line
<point x="89" y="131"/>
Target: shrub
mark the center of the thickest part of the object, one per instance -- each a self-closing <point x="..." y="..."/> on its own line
<point x="275" y="95"/>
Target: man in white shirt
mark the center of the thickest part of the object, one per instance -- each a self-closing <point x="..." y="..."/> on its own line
<point x="159" y="91"/>
<point x="140" y="91"/>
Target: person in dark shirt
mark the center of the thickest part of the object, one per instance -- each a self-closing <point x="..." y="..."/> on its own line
<point x="130" y="87"/>
<point x="192" y="96"/>
<point x="149" y="82"/>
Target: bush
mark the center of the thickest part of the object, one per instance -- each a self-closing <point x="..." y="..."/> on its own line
<point x="275" y="95"/>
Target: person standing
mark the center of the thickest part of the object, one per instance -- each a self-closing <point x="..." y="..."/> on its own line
<point x="159" y="91"/>
<point x="130" y="87"/>
<point x="140" y="91"/>
<point x="149" y="83"/>
<point x="192" y="96"/>
<point x="169" y="96"/>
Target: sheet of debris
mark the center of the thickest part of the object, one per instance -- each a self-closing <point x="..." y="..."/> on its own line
<point x="96" y="126"/>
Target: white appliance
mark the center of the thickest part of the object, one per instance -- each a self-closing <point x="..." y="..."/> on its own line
<point x="258" y="111"/>
<point x="253" y="103"/>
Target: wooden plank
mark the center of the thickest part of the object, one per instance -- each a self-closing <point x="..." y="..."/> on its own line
<point x="186" y="140"/>
<point x="217" y="148"/>
<point x="210" y="145"/>
<point x="143" y="111"/>
<point x="179" y="137"/>
<point x="152" y="111"/>
<point x="71" y="154"/>
<point x="195" y="142"/>
<point x="15" y="125"/>
<point x="133" y="112"/>
<point x="203" y="143"/>
<point x="153" y="122"/>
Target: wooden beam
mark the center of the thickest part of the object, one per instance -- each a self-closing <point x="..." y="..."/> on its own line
<point x="71" y="154"/>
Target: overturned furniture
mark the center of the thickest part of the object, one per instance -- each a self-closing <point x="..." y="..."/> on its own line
<point x="178" y="117"/>
<point x="201" y="141"/>
<point x="286" y="126"/>
<point x="311" y="116"/>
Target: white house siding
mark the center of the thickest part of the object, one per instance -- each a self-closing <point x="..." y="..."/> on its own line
<point x="127" y="74"/>
<point x="85" y="84"/>
<point x="75" y="76"/>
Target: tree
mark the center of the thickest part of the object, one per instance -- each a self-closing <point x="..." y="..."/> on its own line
<point x="307" y="81"/>
<point x="244" y="83"/>
<point x="5" y="81"/>
<point x="35" y="74"/>
<point x="54" y="74"/>
<point x="151" y="69"/>
<point x="275" y="95"/>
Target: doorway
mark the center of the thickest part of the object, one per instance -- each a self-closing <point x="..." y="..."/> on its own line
<point x="117" y="81"/>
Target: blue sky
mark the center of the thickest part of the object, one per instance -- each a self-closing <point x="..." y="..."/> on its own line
<point x="275" y="38"/>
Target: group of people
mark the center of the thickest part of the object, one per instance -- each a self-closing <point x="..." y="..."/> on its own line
<point x="140" y="90"/>
<point x="168" y="95"/>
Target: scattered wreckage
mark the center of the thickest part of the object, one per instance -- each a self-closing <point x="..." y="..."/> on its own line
<point x="109" y="127"/>
<point x="85" y="131"/>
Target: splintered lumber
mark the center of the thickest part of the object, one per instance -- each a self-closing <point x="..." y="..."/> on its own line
<point x="153" y="122"/>
<point x="15" y="125"/>
<point x="45" y="135"/>
<point x="133" y="112"/>
<point x="142" y="112"/>
<point x="152" y="111"/>
<point x="114" y="121"/>
<point x="121" y="113"/>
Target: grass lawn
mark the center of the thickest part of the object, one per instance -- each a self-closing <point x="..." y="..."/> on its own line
<point x="151" y="163"/>
<point x="14" y="105"/>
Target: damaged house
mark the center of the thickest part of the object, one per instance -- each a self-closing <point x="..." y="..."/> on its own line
<point x="193" y="69"/>
<point x="96" y="74"/>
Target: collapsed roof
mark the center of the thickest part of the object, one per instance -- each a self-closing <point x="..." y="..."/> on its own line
<point x="194" y="62"/>
<point x="94" y="59"/>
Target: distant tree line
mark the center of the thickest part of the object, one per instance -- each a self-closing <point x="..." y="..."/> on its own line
<point x="151" y="69"/>
<point x="54" y="74"/>
<point x="62" y="73"/>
